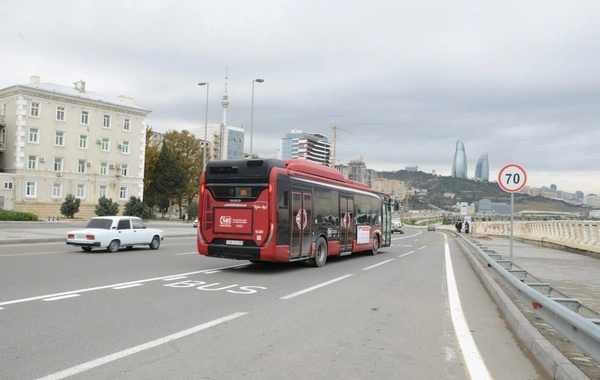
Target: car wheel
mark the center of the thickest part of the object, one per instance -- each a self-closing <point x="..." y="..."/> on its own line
<point x="113" y="246"/>
<point x="87" y="249"/>
<point x="155" y="243"/>
<point x="375" y="245"/>
<point x="320" y="253"/>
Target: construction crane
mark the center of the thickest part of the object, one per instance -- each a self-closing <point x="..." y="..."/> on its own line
<point x="335" y="129"/>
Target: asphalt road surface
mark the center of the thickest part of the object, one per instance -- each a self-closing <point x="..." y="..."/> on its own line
<point x="414" y="311"/>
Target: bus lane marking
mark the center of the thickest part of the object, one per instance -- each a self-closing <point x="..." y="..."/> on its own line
<point x="201" y="285"/>
<point x="378" y="264"/>
<point x="423" y="247"/>
<point x="475" y="365"/>
<point x="174" y="278"/>
<point x="314" y="287"/>
<point x="60" y="297"/>
<point x="139" y="348"/>
<point x="21" y="300"/>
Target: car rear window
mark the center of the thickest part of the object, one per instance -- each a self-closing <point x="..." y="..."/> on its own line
<point x="103" y="224"/>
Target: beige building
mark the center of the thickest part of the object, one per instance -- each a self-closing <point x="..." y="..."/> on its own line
<point x="390" y="186"/>
<point x="57" y="140"/>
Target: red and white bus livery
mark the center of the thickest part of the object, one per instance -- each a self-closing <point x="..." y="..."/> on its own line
<point x="287" y="210"/>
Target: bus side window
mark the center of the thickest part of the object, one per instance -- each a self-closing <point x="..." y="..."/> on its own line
<point x="285" y="198"/>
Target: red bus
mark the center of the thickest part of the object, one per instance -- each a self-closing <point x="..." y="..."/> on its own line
<point x="287" y="210"/>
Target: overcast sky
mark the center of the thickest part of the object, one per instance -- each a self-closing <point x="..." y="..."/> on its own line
<point x="518" y="80"/>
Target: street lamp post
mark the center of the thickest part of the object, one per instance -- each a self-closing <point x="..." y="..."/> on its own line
<point x="205" y="122"/>
<point x="252" y="114"/>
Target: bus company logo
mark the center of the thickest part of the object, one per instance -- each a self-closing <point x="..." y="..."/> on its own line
<point x="346" y="220"/>
<point x="260" y="205"/>
<point x="301" y="219"/>
<point x="225" y="220"/>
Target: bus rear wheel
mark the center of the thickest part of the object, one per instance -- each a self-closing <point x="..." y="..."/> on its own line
<point x="320" y="253"/>
<point x="375" y="245"/>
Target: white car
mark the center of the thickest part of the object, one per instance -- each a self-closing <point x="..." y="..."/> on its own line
<point x="195" y="223"/>
<point x="114" y="232"/>
<point x="397" y="226"/>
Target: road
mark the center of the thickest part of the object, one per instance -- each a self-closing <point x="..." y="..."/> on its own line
<point x="416" y="310"/>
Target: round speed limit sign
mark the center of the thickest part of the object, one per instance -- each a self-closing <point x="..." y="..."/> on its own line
<point x="512" y="178"/>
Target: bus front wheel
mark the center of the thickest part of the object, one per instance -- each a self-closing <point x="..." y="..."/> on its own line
<point x="320" y="253"/>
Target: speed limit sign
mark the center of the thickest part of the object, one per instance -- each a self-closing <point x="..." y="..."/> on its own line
<point x="512" y="178"/>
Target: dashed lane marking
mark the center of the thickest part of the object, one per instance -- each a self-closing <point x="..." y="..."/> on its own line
<point x="378" y="264"/>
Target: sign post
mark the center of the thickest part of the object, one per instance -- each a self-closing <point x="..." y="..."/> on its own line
<point x="512" y="178"/>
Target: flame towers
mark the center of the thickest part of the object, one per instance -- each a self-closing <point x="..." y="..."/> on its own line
<point x="459" y="166"/>
<point x="482" y="169"/>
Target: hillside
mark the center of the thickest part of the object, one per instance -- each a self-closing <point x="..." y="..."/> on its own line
<point x="466" y="190"/>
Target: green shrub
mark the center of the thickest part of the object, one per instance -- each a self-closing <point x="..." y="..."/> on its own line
<point x="17" y="216"/>
<point x="192" y="210"/>
<point x="70" y="206"/>
<point x="136" y="207"/>
<point x="106" y="207"/>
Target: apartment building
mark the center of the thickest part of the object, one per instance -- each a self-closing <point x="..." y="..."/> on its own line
<point x="57" y="140"/>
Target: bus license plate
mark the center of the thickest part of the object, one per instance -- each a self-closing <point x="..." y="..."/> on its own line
<point x="234" y="242"/>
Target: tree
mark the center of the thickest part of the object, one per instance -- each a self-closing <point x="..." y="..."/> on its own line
<point x="150" y="159"/>
<point x="70" y="206"/>
<point x="169" y="177"/>
<point x="192" y="210"/>
<point x="187" y="151"/>
<point x="135" y="207"/>
<point x="106" y="207"/>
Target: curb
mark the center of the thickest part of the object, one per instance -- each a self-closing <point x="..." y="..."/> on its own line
<point x="63" y="240"/>
<point x="548" y="356"/>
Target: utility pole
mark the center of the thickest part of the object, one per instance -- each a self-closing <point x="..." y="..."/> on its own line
<point x="335" y="129"/>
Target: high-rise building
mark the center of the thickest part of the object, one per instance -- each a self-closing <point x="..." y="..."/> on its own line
<point x="306" y="146"/>
<point x="411" y="168"/>
<point x="482" y="169"/>
<point x="459" y="166"/>
<point x="57" y="140"/>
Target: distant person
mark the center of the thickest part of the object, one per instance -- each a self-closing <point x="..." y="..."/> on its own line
<point x="458" y="226"/>
<point x="183" y="217"/>
<point x="467" y="226"/>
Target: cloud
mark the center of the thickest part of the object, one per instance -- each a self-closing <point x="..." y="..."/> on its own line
<point x="517" y="80"/>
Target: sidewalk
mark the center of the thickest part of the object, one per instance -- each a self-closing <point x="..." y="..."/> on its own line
<point x="59" y="233"/>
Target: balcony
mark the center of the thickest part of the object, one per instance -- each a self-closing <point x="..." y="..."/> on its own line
<point x="2" y="120"/>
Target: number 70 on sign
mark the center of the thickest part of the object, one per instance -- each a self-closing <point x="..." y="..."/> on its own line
<point x="512" y="178"/>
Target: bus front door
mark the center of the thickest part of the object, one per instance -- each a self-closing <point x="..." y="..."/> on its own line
<point x="346" y="223"/>
<point x="301" y="224"/>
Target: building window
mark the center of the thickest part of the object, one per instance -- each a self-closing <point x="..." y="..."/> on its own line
<point x="32" y="162"/>
<point x="106" y="121"/>
<point x="85" y="117"/>
<point x="124" y="170"/>
<point x="60" y="113"/>
<point x="126" y="124"/>
<point x="35" y="109"/>
<point x="59" y="138"/>
<point x="125" y="147"/>
<point x="102" y="191"/>
<point x="123" y="192"/>
<point x="58" y="164"/>
<point x="81" y="166"/>
<point x="105" y="146"/>
<point x="30" y="189"/>
<point x="80" y="191"/>
<point x="57" y="190"/>
<point x="8" y="185"/>
<point x="104" y="168"/>
<point x="83" y="139"/>
<point x="34" y="135"/>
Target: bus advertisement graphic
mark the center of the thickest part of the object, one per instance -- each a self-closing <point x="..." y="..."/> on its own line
<point x="233" y="220"/>
<point x="301" y="219"/>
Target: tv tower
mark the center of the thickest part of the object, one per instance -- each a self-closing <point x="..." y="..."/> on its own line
<point x="225" y="102"/>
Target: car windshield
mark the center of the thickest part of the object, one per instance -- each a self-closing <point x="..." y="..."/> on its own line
<point x="99" y="223"/>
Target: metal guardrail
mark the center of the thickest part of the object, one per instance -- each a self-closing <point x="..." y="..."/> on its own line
<point x="560" y="313"/>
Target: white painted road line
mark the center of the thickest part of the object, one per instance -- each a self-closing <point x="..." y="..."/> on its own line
<point x="142" y="347"/>
<point x="406" y="254"/>
<point x="213" y="271"/>
<point x="186" y="253"/>
<point x="61" y="297"/>
<point x="115" y="285"/>
<point x="376" y="265"/>
<point x="423" y="247"/>
<point x="174" y="278"/>
<point x="475" y="364"/>
<point x="314" y="287"/>
<point x="127" y="286"/>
